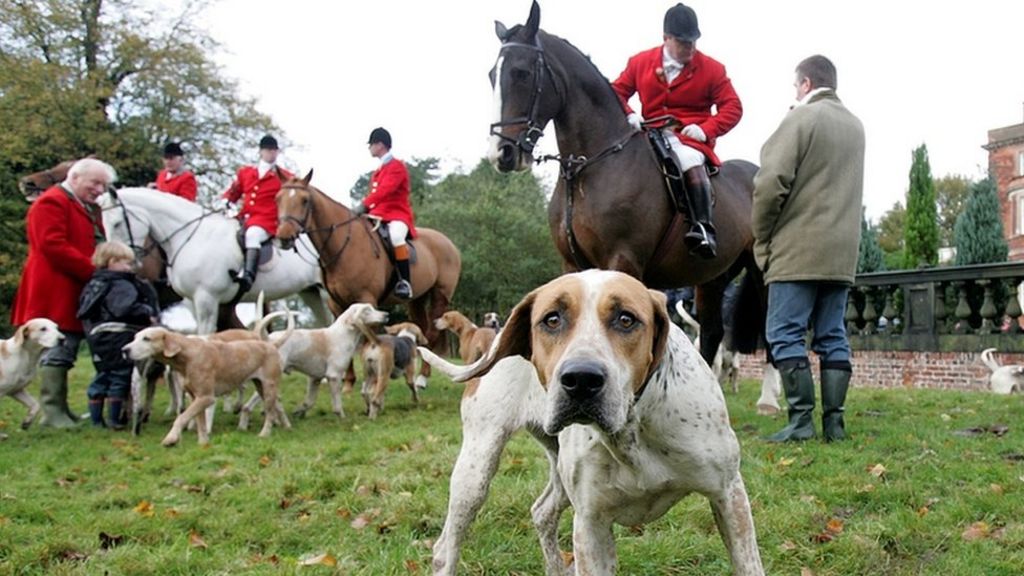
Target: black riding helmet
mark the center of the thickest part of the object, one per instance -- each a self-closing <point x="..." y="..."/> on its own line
<point x="681" y="22"/>
<point x="380" y="135"/>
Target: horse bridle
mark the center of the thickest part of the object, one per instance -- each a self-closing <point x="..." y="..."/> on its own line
<point x="527" y="139"/>
<point x="302" y="226"/>
<point x="141" y="251"/>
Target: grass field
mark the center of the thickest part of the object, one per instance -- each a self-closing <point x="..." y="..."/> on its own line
<point x="931" y="483"/>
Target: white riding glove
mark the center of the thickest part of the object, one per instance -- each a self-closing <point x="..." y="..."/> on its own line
<point x="635" y="121"/>
<point x="694" y="131"/>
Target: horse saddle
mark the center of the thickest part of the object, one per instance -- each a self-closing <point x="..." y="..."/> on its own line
<point x="389" y="248"/>
<point x="267" y="252"/>
<point x="672" y="173"/>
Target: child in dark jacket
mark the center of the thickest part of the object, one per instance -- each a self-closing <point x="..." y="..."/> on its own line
<point x="114" y="294"/>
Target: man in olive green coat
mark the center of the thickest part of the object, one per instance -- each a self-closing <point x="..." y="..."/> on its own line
<point x="807" y="206"/>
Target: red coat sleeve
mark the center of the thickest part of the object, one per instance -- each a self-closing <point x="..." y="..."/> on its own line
<point x="729" y="107"/>
<point x="625" y="86"/>
<point x="234" y="191"/>
<point x="188" y="189"/>
<point x="50" y="236"/>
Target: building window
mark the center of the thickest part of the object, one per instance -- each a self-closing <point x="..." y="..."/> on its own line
<point x="1017" y="205"/>
<point x="1020" y="163"/>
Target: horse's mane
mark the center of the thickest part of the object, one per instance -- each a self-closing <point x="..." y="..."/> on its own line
<point x="189" y="208"/>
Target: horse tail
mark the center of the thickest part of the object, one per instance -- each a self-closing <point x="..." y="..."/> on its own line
<point x="749" y="314"/>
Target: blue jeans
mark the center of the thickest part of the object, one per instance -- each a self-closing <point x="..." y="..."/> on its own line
<point x="111" y="384"/>
<point x="795" y="307"/>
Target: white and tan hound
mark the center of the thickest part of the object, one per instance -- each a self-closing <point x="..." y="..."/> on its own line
<point x="630" y="415"/>
<point x="19" y="357"/>
<point x="473" y="340"/>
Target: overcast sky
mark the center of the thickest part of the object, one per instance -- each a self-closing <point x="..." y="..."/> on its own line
<point x="913" y="71"/>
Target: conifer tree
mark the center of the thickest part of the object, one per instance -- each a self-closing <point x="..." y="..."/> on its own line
<point x="921" y="231"/>
<point x="979" y="228"/>
<point x="870" y="257"/>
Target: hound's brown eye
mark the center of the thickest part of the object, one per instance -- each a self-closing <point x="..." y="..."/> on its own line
<point x="553" y="321"/>
<point x="626" y="321"/>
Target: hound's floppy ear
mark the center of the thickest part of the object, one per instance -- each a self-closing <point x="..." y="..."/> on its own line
<point x="661" y="328"/>
<point x="308" y="177"/>
<point x="19" y="334"/>
<point x="514" y="340"/>
<point x="500" y="30"/>
<point x="172" y="344"/>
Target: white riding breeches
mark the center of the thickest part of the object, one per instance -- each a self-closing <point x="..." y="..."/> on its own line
<point x="397" y="230"/>
<point x="687" y="157"/>
<point x="255" y="237"/>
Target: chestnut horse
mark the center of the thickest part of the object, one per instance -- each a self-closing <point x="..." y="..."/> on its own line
<point x="611" y="208"/>
<point x="357" y="269"/>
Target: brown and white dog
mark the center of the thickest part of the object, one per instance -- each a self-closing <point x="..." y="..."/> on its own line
<point x="473" y="340"/>
<point x="1003" y="379"/>
<point x="631" y="417"/>
<point x="19" y="357"/>
<point x="213" y="368"/>
<point x="387" y="356"/>
<point x="492" y="320"/>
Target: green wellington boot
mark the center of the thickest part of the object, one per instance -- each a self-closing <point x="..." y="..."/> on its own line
<point x="799" y="387"/>
<point x="834" y="384"/>
<point x="53" y="397"/>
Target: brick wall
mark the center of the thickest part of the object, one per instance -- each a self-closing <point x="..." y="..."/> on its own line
<point x="889" y="369"/>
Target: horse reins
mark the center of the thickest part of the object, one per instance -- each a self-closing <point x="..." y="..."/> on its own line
<point x="143" y="251"/>
<point x="302" y="226"/>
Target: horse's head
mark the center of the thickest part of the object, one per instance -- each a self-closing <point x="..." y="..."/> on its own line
<point x="32" y="185"/>
<point x="526" y="95"/>
<point x="294" y="206"/>
<point x="121" y="222"/>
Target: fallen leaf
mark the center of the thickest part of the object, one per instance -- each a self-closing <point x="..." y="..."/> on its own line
<point x="304" y="516"/>
<point x="805" y="571"/>
<point x="195" y="540"/>
<point x="567" y="558"/>
<point x="412" y="566"/>
<point x="363" y="490"/>
<point x="360" y="522"/>
<point x="996" y="489"/>
<point x="343" y="512"/>
<point x="74" y="555"/>
<point x="808" y="498"/>
<point x="171" y="513"/>
<point x="264" y="461"/>
<point x="784" y="462"/>
<point x="787" y="546"/>
<point x="284" y="504"/>
<point x="945" y="417"/>
<point x="866" y="488"/>
<point x="922" y="511"/>
<point x="878" y="470"/>
<point x="976" y="531"/>
<point x="834" y="526"/>
<point x="318" y="560"/>
<point x="144" y="508"/>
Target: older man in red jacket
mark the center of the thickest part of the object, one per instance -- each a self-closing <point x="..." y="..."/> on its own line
<point x="63" y="227"/>
<point x="678" y="80"/>
<point x="174" y="178"/>
<point x="389" y="200"/>
<point x="256" y="187"/>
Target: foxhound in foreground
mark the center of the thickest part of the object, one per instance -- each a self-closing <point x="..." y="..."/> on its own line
<point x="631" y="417"/>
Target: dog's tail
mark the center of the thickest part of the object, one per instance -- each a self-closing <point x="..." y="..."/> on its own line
<point x="260" y="327"/>
<point x="372" y="337"/>
<point x="454" y="371"/>
<point x="689" y="320"/>
<point x="988" y="360"/>
<point x="289" y="328"/>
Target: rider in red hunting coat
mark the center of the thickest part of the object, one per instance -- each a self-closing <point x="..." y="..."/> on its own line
<point x="256" y="187"/>
<point x="388" y="199"/>
<point x="63" y="227"/>
<point x="678" y="80"/>
<point x="174" y="178"/>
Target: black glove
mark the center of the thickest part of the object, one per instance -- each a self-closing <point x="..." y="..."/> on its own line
<point x="359" y="209"/>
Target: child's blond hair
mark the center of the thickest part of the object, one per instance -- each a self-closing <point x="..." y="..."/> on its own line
<point x="107" y="252"/>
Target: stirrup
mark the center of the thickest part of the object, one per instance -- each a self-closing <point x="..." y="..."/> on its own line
<point x="700" y="242"/>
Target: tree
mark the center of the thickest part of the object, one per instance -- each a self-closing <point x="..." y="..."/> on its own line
<point x="870" y="257"/>
<point x="499" y="223"/>
<point x="921" y="232"/>
<point x="951" y="193"/>
<point x="117" y="80"/>
<point x="422" y="176"/>
<point x="890" y="236"/>
<point x="979" y="229"/>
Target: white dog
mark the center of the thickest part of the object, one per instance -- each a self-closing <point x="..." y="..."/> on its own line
<point x="1003" y="379"/>
<point x="631" y="417"/>
<point x="19" y="357"/>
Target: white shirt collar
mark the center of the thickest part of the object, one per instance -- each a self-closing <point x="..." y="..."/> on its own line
<point x="807" y="97"/>
<point x="264" y="167"/>
<point x="670" y="65"/>
<point x="387" y="157"/>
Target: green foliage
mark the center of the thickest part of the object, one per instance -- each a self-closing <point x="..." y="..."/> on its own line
<point x="890" y="235"/>
<point x="499" y="223"/>
<point x="870" y="257"/>
<point x="951" y="193"/>
<point x="921" y="232"/>
<point x="117" y="79"/>
<point x="422" y="175"/>
<point x="979" y="229"/>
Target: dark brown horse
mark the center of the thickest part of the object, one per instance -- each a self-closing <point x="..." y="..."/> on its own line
<point x="610" y="208"/>
<point x="355" y="266"/>
<point x="152" y="260"/>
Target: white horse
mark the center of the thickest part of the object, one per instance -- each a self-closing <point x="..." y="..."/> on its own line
<point x="202" y="253"/>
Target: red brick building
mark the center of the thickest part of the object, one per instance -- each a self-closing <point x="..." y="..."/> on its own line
<point x="1006" y="164"/>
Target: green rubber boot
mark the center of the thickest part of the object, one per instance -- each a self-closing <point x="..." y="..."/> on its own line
<point x="53" y="397"/>
<point x="834" y="384"/>
<point x="799" y="387"/>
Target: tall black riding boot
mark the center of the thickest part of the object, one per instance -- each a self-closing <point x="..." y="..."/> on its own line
<point x="799" y="387"/>
<point x="701" y="237"/>
<point x="835" y="381"/>
<point x="247" y="275"/>
<point x="403" y="289"/>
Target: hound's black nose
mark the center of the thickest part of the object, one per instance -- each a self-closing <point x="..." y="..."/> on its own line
<point x="582" y="379"/>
